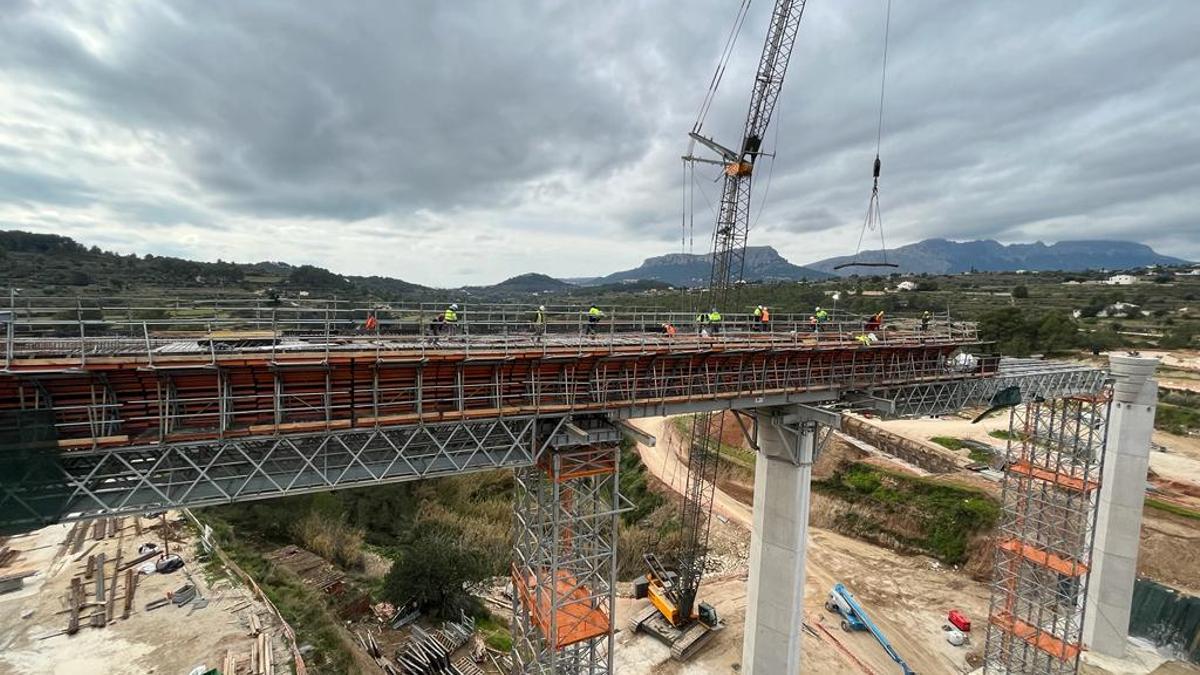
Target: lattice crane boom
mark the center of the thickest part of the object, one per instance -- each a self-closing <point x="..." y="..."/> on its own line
<point x="728" y="263"/>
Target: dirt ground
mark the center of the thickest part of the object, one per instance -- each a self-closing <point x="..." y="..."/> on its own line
<point x="907" y="596"/>
<point x="170" y="640"/>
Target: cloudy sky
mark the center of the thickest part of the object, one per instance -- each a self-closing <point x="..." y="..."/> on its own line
<point x="464" y="142"/>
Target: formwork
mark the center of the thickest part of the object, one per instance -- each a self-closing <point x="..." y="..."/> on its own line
<point x="1044" y="538"/>
<point x="564" y="564"/>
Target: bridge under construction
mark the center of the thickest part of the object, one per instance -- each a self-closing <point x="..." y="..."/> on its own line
<point x="123" y="406"/>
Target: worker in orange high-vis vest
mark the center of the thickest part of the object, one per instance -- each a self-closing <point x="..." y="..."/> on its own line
<point x="765" y="319"/>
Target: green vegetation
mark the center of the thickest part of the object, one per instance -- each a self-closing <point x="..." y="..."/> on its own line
<point x="948" y="442"/>
<point x="1172" y="508"/>
<point x="738" y="457"/>
<point x="948" y="515"/>
<point x="305" y="609"/>
<point x="635" y="486"/>
<point x="979" y="455"/>
<point x="1176" y="419"/>
<point x="1178" y="413"/>
<point x="1019" y="332"/>
<point x="433" y="570"/>
<point x="495" y="633"/>
<point x="1003" y="434"/>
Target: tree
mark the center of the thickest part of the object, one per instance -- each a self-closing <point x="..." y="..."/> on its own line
<point x="1020" y="292"/>
<point x="432" y="571"/>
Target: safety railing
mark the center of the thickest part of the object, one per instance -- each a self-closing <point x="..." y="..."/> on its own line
<point x="82" y="328"/>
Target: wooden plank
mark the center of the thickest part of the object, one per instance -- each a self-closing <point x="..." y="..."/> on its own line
<point x="75" y="598"/>
<point x="98" y="573"/>
<point x="131" y="580"/>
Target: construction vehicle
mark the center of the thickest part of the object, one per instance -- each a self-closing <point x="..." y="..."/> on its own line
<point x="673" y="615"/>
<point x="663" y="617"/>
<point x="854" y="618"/>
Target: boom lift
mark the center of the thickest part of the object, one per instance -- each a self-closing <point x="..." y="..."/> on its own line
<point x="674" y="616"/>
<point x="854" y="618"/>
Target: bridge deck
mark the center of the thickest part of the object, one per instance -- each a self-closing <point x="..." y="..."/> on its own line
<point x="101" y="423"/>
<point x="180" y="395"/>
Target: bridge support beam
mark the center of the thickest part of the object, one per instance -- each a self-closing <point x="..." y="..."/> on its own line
<point x="1122" y="493"/>
<point x="788" y="439"/>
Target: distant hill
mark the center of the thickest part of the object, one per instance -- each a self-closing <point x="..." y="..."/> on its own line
<point x="45" y="261"/>
<point x="763" y="263"/>
<point x="531" y="283"/>
<point x="941" y="256"/>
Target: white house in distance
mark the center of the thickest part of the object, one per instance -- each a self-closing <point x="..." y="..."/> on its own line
<point x="1121" y="280"/>
<point x="906" y="286"/>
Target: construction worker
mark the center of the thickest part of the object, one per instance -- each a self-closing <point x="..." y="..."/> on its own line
<point x="539" y="322"/>
<point x="926" y="317"/>
<point x="714" y="321"/>
<point x="372" y="323"/>
<point x="875" y="322"/>
<point x="758" y="314"/>
<point x="822" y="315"/>
<point x="593" y="315"/>
<point x="450" y="318"/>
<point x="668" y="329"/>
<point x="765" y="320"/>
<point x="701" y="321"/>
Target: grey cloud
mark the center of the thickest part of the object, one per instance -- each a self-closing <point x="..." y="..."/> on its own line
<point x="30" y="186"/>
<point x="998" y="122"/>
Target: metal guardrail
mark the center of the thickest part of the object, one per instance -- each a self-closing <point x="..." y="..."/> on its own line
<point x="88" y="327"/>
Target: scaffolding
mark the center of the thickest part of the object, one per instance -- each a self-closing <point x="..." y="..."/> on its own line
<point x="1044" y="539"/>
<point x="564" y="564"/>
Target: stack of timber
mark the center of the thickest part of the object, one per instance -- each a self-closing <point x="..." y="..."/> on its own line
<point x="428" y="653"/>
<point x="262" y="657"/>
<point x="371" y="647"/>
<point x="312" y="569"/>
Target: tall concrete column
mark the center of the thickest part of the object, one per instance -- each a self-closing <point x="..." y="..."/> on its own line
<point x="775" y="593"/>
<point x="1122" y="493"/>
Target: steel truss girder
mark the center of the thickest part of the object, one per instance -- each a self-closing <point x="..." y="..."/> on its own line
<point x="1036" y="379"/>
<point x="83" y="484"/>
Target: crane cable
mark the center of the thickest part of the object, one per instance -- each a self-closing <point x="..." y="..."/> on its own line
<point x="687" y="221"/>
<point x="874" y="218"/>
<point x="722" y="62"/>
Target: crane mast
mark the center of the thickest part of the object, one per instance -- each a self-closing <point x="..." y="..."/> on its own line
<point x="728" y="265"/>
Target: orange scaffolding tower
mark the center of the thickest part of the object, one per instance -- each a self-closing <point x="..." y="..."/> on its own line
<point x="564" y="564"/>
<point x="1044" y="543"/>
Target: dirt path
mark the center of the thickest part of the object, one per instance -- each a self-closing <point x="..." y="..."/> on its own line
<point x="907" y="596"/>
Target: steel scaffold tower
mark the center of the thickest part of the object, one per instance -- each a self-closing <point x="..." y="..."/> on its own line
<point x="564" y="565"/>
<point x="1044" y="538"/>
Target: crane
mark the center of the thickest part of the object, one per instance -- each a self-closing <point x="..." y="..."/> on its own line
<point x="674" y="614"/>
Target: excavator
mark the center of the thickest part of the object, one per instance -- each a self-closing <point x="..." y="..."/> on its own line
<point x="673" y="614"/>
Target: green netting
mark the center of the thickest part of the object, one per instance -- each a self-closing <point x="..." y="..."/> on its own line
<point x="33" y="491"/>
<point x="1166" y="617"/>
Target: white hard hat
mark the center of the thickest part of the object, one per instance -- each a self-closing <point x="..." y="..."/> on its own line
<point x="542" y="307"/>
<point x="454" y="305"/>
<point x="818" y="309"/>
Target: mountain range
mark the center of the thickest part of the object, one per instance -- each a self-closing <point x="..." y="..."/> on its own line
<point x="763" y="263"/>
<point x="941" y="256"/>
<point x="29" y="260"/>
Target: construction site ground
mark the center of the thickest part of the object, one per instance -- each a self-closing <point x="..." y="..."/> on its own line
<point x="1170" y="543"/>
<point x="170" y="639"/>
<point x="908" y="596"/>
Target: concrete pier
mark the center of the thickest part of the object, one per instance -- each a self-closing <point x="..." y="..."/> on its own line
<point x="1122" y="493"/>
<point x="775" y="588"/>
